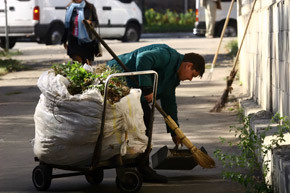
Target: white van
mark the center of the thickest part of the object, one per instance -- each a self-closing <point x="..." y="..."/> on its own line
<point x="221" y="14"/>
<point x="43" y="20"/>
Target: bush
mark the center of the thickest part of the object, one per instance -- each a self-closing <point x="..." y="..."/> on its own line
<point x="253" y="171"/>
<point x="169" y="21"/>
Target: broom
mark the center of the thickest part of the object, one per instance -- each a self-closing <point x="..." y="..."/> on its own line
<point x="200" y="157"/>
<point x="222" y="101"/>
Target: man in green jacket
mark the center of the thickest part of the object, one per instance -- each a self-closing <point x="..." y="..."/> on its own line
<point x="172" y="67"/>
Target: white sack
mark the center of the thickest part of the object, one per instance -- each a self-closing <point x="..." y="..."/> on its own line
<point x="67" y="126"/>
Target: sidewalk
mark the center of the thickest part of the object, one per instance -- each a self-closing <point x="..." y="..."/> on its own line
<point x="19" y="96"/>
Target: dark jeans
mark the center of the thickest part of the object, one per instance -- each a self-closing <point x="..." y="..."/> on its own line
<point x="147" y="116"/>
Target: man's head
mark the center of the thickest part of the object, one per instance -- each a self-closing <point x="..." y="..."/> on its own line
<point x="192" y="66"/>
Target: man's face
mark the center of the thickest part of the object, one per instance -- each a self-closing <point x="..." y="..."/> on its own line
<point x="186" y="73"/>
<point x="78" y="1"/>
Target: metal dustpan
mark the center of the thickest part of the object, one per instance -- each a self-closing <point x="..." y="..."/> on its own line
<point x="174" y="159"/>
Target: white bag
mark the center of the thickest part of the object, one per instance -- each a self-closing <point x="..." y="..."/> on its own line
<point x="67" y="126"/>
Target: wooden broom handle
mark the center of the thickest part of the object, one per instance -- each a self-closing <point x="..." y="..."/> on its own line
<point x="244" y="35"/>
<point x="171" y="123"/>
<point x="222" y="35"/>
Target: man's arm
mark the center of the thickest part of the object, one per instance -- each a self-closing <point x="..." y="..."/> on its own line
<point x="168" y="104"/>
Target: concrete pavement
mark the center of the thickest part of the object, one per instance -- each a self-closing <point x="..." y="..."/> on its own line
<point x="19" y="96"/>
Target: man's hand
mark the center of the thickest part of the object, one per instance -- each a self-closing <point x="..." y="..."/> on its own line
<point x="149" y="97"/>
<point x="177" y="141"/>
<point x="89" y="21"/>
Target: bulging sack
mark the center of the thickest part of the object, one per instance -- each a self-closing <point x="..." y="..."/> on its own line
<point x="67" y="126"/>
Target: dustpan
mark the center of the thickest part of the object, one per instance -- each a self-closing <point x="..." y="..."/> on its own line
<point x="174" y="159"/>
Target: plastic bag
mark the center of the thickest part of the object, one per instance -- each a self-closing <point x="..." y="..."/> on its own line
<point x="67" y="126"/>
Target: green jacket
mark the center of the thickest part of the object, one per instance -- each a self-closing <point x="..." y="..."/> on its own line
<point x="165" y="61"/>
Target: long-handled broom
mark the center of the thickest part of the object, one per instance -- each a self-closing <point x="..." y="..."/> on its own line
<point x="200" y="157"/>
<point x="222" y="101"/>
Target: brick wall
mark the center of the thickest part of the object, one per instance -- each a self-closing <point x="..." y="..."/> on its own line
<point x="265" y="57"/>
<point x="264" y="71"/>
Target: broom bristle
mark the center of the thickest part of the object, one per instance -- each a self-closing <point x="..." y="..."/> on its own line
<point x="203" y="159"/>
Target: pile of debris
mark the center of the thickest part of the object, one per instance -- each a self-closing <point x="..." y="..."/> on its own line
<point x="85" y="77"/>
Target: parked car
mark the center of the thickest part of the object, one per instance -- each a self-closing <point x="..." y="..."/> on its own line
<point x="221" y="14"/>
<point x="43" y="20"/>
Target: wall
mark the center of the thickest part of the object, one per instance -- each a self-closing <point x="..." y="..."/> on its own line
<point x="264" y="73"/>
<point x="264" y="60"/>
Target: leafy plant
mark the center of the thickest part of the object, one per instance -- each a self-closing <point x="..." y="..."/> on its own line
<point x="254" y="171"/>
<point x="80" y="80"/>
<point x="232" y="48"/>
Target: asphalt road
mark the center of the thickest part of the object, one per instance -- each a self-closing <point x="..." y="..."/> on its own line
<point x="19" y="96"/>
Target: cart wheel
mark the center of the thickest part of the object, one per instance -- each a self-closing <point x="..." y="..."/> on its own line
<point x="41" y="177"/>
<point x="131" y="181"/>
<point x="95" y="177"/>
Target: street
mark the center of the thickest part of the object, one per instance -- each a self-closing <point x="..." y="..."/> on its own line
<point x="19" y="96"/>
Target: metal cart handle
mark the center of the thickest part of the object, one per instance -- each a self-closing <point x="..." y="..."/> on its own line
<point x="98" y="148"/>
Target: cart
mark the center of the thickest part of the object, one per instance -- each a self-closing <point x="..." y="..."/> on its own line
<point x="128" y="179"/>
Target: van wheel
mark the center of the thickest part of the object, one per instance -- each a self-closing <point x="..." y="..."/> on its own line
<point x="54" y="35"/>
<point x="12" y="42"/>
<point x="231" y="30"/>
<point x="132" y="34"/>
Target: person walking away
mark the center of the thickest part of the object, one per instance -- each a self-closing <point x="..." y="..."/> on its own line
<point x="210" y="8"/>
<point x="172" y="67"/>
<point x="80" y="45"/>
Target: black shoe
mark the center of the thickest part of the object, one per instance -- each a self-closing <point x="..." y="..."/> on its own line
<point x="149" y="175"/>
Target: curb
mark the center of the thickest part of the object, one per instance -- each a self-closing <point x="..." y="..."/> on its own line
<point x="279" y="158"/>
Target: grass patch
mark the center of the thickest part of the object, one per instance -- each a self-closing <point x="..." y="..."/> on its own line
<point x="10" y="65"/>
<point x="10" y="53"/>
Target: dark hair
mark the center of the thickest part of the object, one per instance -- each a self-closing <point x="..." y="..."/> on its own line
<point x="197" y="61"/>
